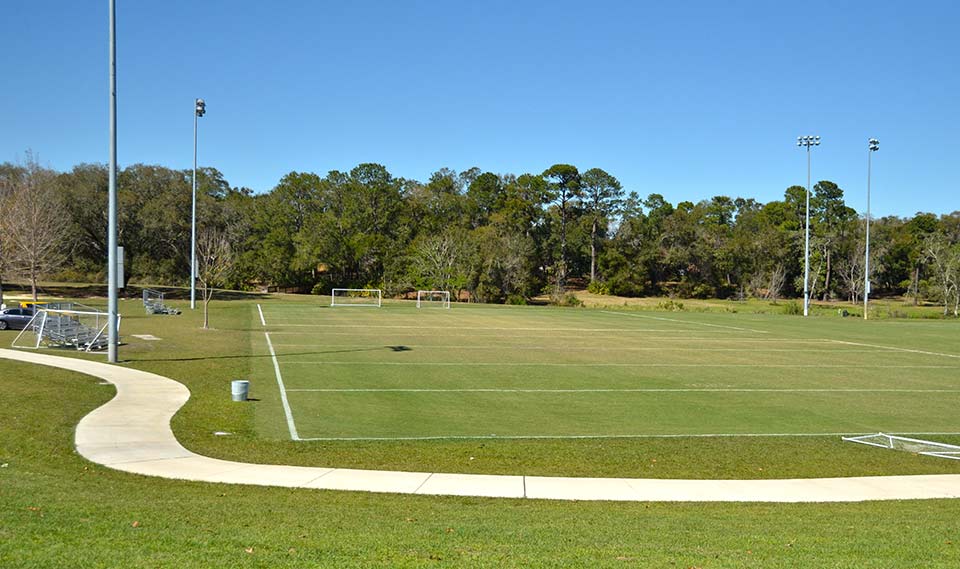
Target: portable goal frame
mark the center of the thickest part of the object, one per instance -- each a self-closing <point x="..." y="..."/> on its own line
<point x="433" y="299"/>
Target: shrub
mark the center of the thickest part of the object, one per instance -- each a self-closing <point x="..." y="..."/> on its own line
<point x="597" y="287"/>
<point x="516" y="299"/>
<point x="670" y="305"/>
<point x="793" y="308"/>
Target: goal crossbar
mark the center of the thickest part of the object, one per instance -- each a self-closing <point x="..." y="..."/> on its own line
<point x="356" y="297"/>
<point x="918" y="446"/>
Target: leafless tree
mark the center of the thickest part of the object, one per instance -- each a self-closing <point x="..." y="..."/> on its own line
<point x="215" y="258"/>
<point x="944" y="260"/>
<point x="34" y="223"/>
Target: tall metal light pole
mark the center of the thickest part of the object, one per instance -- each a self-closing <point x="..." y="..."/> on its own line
<point x="112" y="339"/>
<point x="198" y="110"/>
<point x="874" y="145"/>
<point x="807" y="141"/>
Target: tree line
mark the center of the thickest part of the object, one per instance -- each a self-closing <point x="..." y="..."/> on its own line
<point x="482" y="236"/>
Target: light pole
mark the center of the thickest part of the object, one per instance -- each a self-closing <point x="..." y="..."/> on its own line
<point x="198" y="111"/>
<point x="807" y="141"/>
<point x="874" y="145"/>
<point x="112" y="339"/>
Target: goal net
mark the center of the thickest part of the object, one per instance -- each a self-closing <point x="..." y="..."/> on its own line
<point x="356" y="297"/>
<point x="84" y="330"/>
<point x="433" y="299"/>
<point x="916" y="446"/>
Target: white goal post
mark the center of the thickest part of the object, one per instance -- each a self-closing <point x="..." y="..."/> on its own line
<point x="433" y="299"/>
<point x="356" y="297"/>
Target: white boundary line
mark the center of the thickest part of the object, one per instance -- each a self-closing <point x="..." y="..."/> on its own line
<point x="521" y="347"/>
<point x="626" y="390"/>
<point x="896" y="349"/>
<point x="662" y="436"/>
<point x="635" y="365"/>
<point x="262" y="321"/>
<point x="283" y="391"/>
<point x="684" y="321"/>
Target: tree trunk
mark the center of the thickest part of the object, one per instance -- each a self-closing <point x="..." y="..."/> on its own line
<point x="207" y="295"/>
<point x="916" y="285"/>
<point x="826" y="282"/>
<point x="593" y="251"/>
<point x="33" y="287"/>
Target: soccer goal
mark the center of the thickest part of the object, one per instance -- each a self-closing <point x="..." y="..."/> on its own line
<point x="916" y="446"/>
<point x="356" y="297"/>
<point x="433" y="299"/>
<point x="83" y="330"/>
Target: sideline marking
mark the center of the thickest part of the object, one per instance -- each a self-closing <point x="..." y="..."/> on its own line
<point x="685" y="321"/>
<point x="262" y="321"/>
<point x="652" y="365"/>
<point x="896" y="349"/>
<point x="666" y="436"/>
<point x="597" y="348"/>
<point x="283" y="392"/>
<point x="626" y="390"/>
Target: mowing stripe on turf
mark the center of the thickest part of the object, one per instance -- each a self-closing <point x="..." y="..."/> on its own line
<point x="656" y="365"/>
<point x="685" y="322"/>
<point x="650" y="436"/>
<point x="283" y="391"/>
<point x="492" y="328"/>
<point x="627" y="390"/>
<point x="593" y="348"/>
<point x="896" y="349"/>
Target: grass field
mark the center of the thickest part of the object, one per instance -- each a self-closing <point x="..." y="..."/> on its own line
<point x="530" y="372"/>
<point x="58" y="510"/>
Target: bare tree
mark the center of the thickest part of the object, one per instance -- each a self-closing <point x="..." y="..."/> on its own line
<point x="944" y="260"/>
<point x="214" y="260"/>
<point x="34" y="223"/>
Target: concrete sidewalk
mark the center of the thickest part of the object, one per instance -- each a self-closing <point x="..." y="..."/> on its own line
<point x="132" y="433"/>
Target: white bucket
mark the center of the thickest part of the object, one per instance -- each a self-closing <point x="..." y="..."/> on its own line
<point x="239" y="388"/>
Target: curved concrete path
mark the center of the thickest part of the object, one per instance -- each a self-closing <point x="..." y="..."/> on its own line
<point x="132" y="433"/>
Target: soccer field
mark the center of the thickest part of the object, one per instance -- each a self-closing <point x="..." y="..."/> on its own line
<point x="480" y="371"/>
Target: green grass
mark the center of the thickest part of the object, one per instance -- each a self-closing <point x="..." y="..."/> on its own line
<point x="57" y="510"/>
<point x="206" y="361"/>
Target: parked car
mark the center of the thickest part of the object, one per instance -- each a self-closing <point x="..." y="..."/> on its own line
<point x="15" y="318"/>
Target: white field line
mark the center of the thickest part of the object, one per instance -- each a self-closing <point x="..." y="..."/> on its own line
<point x="481" y="328"/>
<point x="631" y="390"/>
<point x="262" y="321"/>
<point x="283" y="391"/>
<point x="896" y="349"/>
<point x="685" y="321"/>
<point x="739" y="341"/>
<point x="651" y="365"/>
<point x="594" y="348"/>
<point x="660" y="436"/>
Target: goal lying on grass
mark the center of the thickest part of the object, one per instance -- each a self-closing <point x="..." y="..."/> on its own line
<point x="356" y="297"/>
<point x="433" y="299"/>
<point x="79" y="327"/>
<point x="918" y="446"/>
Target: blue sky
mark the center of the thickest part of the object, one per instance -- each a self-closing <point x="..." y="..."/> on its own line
<point x="686" y="99"/>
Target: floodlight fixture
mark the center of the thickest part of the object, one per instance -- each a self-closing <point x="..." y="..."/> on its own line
<point x="872" y="146"/>
<point x="807" y="141"/>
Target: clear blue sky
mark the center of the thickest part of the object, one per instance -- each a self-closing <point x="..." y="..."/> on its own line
<point x="686" y="99"/>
